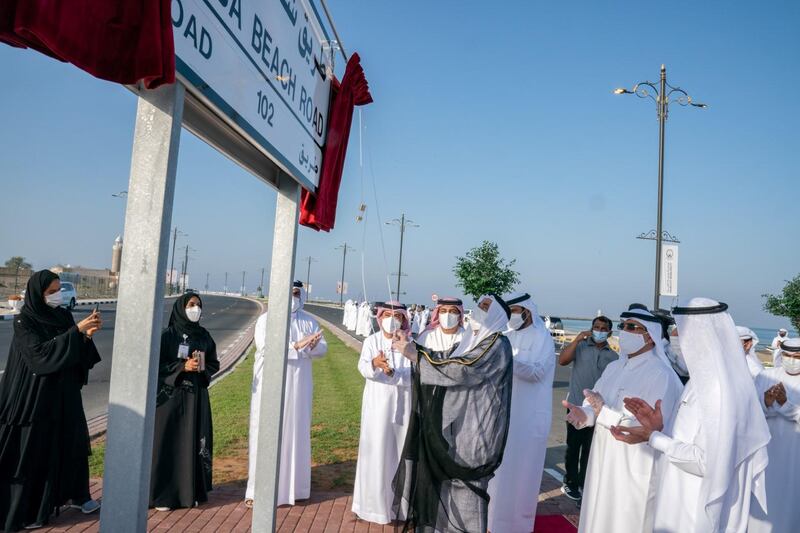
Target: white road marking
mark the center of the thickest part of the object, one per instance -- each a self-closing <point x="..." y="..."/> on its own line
<point x="556" y="474"/>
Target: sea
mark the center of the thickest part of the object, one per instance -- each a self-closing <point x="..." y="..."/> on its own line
<point x="765" y="335"/>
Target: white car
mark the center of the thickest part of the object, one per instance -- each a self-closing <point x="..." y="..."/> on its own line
<point x="69" y="294"/>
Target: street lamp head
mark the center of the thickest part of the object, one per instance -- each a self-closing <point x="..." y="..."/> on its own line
<point x="701" y="106"/>
<point x="620" y="90"/>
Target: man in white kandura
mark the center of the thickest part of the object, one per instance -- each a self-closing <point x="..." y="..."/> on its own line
<point x="347" y="313"/>
<point x="617" y="493"/>
<point x="779" y="388"/>
<point x="714" y="445"/>
<point x="749" y="343"/>
<point x="446" y="328"/>
<point x="364" y="319"/>
<point x="305" y="343"/>
<point x="422" y="317"/>
<point x="385" y="410"/>
<point x="514" y="491"/>
<point x="782" y="335"/>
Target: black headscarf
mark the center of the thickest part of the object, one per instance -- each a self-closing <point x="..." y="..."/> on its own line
<point x="37" y="309"/>
<point x="178" y="318"/>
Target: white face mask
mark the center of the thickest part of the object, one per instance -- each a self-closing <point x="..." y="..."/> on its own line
<point x="791" y="365"/>
<point x="54" y="300"/>
<point x="516" y="321"/>
<point x="390" y="324"/>
<point x="630" y="343"/>
<point x="448" y="320"/>
<point x="193" y="313"/>
<point x="295" y="304"/>
<point x="477" y="318"/>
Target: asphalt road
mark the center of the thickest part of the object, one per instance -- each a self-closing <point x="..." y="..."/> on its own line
<point x="223" y="316"/>
<point x="556" y="442"/>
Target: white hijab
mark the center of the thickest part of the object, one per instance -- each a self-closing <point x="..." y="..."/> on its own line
<point x="734" y="422"/>
<point x="495" y="322"/>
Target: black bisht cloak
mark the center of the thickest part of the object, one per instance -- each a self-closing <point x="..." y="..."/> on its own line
<point x="44" y="439"/>
<point x="456" y="437"/>
<point x="183" y="441"/>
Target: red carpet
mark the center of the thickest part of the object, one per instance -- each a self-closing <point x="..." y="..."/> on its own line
<point x="554" y="523"/>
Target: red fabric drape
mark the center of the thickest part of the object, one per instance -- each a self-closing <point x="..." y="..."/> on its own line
<point x="319" y="211"/>
<point x="124" y="41"/>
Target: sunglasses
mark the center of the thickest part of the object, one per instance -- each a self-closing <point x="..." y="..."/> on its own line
<point x="630" y="326"/>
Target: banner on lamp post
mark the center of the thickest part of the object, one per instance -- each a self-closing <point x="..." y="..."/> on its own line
<point x="669" y="270"/>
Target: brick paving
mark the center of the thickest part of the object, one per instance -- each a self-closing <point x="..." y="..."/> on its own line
<point x="325" y="512"/>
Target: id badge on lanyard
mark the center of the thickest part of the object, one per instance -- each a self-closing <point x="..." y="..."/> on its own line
<point x="183" y="348"/>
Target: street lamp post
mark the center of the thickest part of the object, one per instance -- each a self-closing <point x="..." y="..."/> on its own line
<point x="243" y="274"/>
<point x="403" y="222"/>
<point x="663" y="97"/>
<point x="308" y="272"/>
<point x="172" y="263"/>
<point x="207" y="274"/>
<point x="186" y="266"/>
<point x="225" y="287"/>
<point x="344" y="249"/>
<point x="261" y="287"/>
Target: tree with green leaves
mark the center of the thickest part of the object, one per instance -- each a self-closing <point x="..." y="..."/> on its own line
<point x="787" y="304"/>
<point x="482" y="271"/>
<point x="18" y="262"/>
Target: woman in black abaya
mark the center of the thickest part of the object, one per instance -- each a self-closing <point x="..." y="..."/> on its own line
<point x="44" y="439"/>
<point x="182" y="448"/>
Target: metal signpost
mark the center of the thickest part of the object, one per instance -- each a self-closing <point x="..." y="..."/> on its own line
<point x="254" y="83"/>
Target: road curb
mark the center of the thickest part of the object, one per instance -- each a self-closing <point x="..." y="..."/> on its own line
<point x="229" y="358"/>
<point x="346" y="338"/>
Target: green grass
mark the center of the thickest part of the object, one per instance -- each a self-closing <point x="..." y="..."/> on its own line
<point x="336" y="415"/>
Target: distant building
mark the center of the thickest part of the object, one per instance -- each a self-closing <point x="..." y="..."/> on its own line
<point x="116" y="255"/>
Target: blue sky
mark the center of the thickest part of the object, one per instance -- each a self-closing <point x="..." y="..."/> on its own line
<point x="490" y="123"/>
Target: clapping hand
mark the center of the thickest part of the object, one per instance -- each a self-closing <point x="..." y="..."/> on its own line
<point x="310" y="341"/>
<point x="380" y="362"/>
<point x="595" y="400"/>
<point x="776" y="393"/>
<point x="575" y="415"/>
<point x="630" y="435"/>
<point x="314" y="340"/>
<point x="649" y="417"/>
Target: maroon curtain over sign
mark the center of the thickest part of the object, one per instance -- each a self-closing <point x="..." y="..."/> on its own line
<point x="124" y="41"/>
<point x="319" y="211"/>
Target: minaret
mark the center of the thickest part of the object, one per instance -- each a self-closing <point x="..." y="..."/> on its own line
<point x="116" y="255"/>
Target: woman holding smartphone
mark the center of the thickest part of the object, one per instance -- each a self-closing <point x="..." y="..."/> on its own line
<point x="182" y="447"/>
<point x="44" y="440"/>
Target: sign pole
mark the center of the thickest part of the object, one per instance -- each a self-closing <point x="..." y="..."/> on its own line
<point x="273" y="374"/>
<point x="140" y="309"/>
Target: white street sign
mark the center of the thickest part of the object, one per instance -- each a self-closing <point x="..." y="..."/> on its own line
<point x="260" y="66"/>
<point x="669" y="270"/>
<point x="339" y="287"/>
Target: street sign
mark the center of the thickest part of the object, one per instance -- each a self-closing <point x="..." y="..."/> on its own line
<point x="263" y="67"/>
<point x="669" y="270"/>
<point x="435" y="297"/>
<point x="339" y="287"/>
